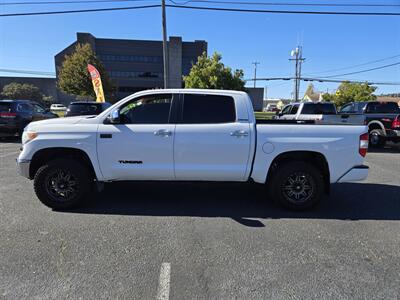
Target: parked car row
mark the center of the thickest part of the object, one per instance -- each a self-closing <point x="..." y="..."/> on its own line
<point x="15" y="115"/>
<point x="86" y="108"/>
<point x="382" y="118"/>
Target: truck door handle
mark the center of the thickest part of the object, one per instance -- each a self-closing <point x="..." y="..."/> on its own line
<point x="105" y="135"/>
<point x="239" y="133"/>
<point x="163" y="132"/>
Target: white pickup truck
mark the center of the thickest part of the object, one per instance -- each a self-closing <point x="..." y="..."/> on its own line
<point x="189" y="135"/>
<point x="321" y="112"/>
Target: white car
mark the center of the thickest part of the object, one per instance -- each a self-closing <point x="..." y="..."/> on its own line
<point x="58" y="107"/>
<point x="189" y="135"/>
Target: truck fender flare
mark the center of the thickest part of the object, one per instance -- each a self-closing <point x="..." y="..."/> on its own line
<point x="375" y="122"/>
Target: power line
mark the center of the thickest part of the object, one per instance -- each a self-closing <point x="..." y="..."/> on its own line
<point x="67" y="2"/>
<point x="355" y="66"/>
<point x="363" y="71"/>
<point x="286" y="11"/>
<point x="77" y="11"/>
<point x="202" y="8"/>
<point x="207" y="1"/>
<point x="287" y="3"/>
<point x="326" y="80"/>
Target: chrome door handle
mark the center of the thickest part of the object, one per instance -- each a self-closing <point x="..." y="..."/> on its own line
<point x="163" y="132"/>
<point x="239" y="133"/>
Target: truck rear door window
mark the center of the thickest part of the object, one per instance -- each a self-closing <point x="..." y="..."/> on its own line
<point x="382" y="108"/>
<point x="208" y="109"/>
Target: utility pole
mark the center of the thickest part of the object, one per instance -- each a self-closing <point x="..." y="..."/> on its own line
<point x="255" y="71"/>
<point x="165" y="46"/>
<point x="298" y="58"/>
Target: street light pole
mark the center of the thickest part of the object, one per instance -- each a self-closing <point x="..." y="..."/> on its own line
<point x="255" y="72"/>
<point x="165" y="46"/>
<point x="298" y="54"/>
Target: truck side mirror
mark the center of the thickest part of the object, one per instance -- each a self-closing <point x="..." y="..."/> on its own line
<point x="115" y="117"/>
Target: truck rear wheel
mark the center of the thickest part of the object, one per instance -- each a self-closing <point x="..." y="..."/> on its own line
<point x="376" y="138"/>
<point x="62" y="183"/>
<point x="297" y="185"/>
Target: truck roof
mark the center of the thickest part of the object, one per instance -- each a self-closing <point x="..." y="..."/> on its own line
<point x="191" y="91"/>
<point x="11" y="101"/>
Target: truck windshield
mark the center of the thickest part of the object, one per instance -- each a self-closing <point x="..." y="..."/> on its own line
<point x="382" y="108"/>
<point x="318" y="109"/>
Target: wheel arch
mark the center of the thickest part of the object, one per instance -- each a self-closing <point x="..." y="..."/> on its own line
<point x="44" y="155"/>
<point x="376" y="125"/>
<point x="317" y="159"/>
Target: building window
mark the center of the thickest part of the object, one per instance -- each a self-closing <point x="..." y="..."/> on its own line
<point x="187" y="63"/>
<point x="129" y="74"/>
<point x="131" y="58"/>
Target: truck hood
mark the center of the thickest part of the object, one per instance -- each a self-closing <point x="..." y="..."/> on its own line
<point x="61" y="121"/>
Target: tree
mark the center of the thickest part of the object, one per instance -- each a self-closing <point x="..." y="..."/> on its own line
<point x="351" y="92"/>
<point x="21" y="91"/>
<point x="74" y="78"/>
<point x="211" y="73"/>
<point x="328" y="97"/>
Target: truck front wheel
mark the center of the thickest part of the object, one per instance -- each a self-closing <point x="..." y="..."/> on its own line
<point x="62" y="183"/>
<point x="297" y="185"/>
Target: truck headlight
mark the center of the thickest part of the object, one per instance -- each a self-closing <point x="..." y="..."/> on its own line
<point x="28" y="136"/>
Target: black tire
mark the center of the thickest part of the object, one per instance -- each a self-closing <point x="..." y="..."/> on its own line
<point x="297" y="185"/>
<point x="377" y="138"/>
<point x="62" y="184"/>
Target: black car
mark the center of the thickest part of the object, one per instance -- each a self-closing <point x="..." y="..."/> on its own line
<point x="84" y="108"/>
<point x="382" y="118"/>
<point x="16" y="114"/>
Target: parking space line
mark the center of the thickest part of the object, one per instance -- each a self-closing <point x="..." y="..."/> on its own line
<point x="163" y="286"/>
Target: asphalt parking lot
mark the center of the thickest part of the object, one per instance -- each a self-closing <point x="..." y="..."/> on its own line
<point x="202" y="241"/>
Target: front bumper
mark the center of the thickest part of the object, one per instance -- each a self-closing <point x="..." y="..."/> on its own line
<point x="23" y="167"/>
<point x="356" y="173"/>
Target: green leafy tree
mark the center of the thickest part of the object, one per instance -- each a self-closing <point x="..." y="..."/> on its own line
<point x="21" y="91"/>
<point x="74" y="78"/>
<point x="328" y="97"/>
<point x="211" y="73"/>
<point x="352" y="92"/>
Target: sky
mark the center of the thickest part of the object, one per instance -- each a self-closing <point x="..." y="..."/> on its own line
<point x="329" y="42"/>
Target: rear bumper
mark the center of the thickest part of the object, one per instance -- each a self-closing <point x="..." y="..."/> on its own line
<point x="23" y="167"/>
<point x="9" y="130"/>
<point x="356" y="173"/>
<point x="393" y="135"/>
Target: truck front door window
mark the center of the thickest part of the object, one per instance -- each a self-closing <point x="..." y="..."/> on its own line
<point x="147" y="110"/>
<point x="348" y="109"/>
<point x="286" y="110"/>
